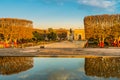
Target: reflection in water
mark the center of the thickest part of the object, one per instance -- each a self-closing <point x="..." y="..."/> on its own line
<point x="99" y="68"/>
<point x="64" y="75"/>
<point x="103" y="67"/>
<point x="13" y="65"/>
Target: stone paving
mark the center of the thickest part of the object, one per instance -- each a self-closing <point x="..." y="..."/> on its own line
<point x="61" y="49"/>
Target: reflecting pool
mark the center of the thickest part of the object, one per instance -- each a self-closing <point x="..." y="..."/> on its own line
<point x="37" y="68"/>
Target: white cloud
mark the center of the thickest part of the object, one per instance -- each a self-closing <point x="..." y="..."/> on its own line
<point x="109" y="5"/>
<point x="105" y="4"/>
<point x="23" y="76"/>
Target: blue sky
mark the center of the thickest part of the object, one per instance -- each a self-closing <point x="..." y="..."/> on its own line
<point x="57" y="13"/>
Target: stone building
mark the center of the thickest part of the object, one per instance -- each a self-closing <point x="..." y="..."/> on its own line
<point x="77" y="34"/>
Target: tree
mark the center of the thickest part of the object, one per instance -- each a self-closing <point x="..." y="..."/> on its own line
<point x="61" y="33"/>
<point x="62" y="36"/>
<point x="15" y="29"/>
<point x="50" y="30"/>
<point x="102" y="26"/>
<point x="38" y="36"/>
<point x="52" y="36"/>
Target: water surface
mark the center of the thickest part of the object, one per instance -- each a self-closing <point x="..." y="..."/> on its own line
<point x="35" y="68"/>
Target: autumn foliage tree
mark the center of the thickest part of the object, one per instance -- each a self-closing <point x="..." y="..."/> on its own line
<point x="15" y="29"/>
<point x="102" y="27"/>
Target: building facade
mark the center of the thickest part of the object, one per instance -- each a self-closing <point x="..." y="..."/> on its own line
<point x="77" y="34"/>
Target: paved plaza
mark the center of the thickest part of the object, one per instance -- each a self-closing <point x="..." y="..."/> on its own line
<point x="61" y="49"/>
